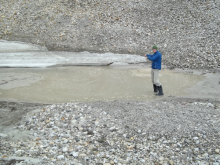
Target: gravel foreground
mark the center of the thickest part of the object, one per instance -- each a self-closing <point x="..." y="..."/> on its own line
<point x="118" y="132"/>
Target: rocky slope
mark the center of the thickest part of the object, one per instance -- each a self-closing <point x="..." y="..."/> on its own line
<point x="186" y="32"/>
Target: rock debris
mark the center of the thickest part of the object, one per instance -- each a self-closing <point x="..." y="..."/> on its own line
<point x="186" y="32"/>
<point x="118" y="132"/>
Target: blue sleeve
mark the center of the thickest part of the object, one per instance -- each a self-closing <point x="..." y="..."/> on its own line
<point x="148" y="55"/>
<point x="153" y="57"/>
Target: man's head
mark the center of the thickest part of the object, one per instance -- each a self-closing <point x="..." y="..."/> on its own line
<point x="154" y="48"/>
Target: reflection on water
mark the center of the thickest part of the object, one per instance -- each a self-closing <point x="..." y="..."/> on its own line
<point x="70" y="84"/>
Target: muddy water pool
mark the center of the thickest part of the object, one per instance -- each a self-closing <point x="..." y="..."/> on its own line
<point x="88" y="83"/>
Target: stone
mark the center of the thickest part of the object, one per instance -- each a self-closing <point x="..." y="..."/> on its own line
<point x="161" y="158"/>
<point x="195" y="138"/>
<point x="60" y="157"/>
<point x="75" y="154"/>
<point x="178" y="144"/>
<point x="205" y="155"/>
<point x="210" y="105"/>
<point x="82" y="155"/>
<point x="215" y="163"/>
<point x="171" y="162"/>
<point x="65" y="149"/>
<point x="112" y="129"/>
<point x="112" y="162"/>
<point x="3" y="135"/>
<point x="65" y="141"/>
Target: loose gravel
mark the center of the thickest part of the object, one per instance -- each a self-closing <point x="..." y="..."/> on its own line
<point x="118" y="132"/>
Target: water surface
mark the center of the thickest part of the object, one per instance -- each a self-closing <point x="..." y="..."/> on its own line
<point x="73" y="84"/>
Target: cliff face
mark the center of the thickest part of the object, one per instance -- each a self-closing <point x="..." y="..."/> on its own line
<point x="186" y="32"/>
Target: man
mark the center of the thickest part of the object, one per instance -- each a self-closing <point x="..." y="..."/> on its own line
<point x="156" y="59"/>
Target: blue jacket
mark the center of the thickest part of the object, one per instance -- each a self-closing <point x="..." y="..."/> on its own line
<point x="156" y="59"/>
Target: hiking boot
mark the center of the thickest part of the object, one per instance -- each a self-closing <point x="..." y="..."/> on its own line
<point x="160" y="89"/>
<point x="155" y="88"/>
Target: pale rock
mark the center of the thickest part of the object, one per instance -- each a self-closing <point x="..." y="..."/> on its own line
<point x="75" y="154"/>
<point x="210" y="105"/>
<point x="171" y="162"/>
<point x="65" y="149"/>
<point x="195" y="138"/>
<point x="82" y="155"/>
<point x="60" y="157"/>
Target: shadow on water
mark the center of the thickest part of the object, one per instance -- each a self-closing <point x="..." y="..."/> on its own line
<point x="73" y="84"/>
